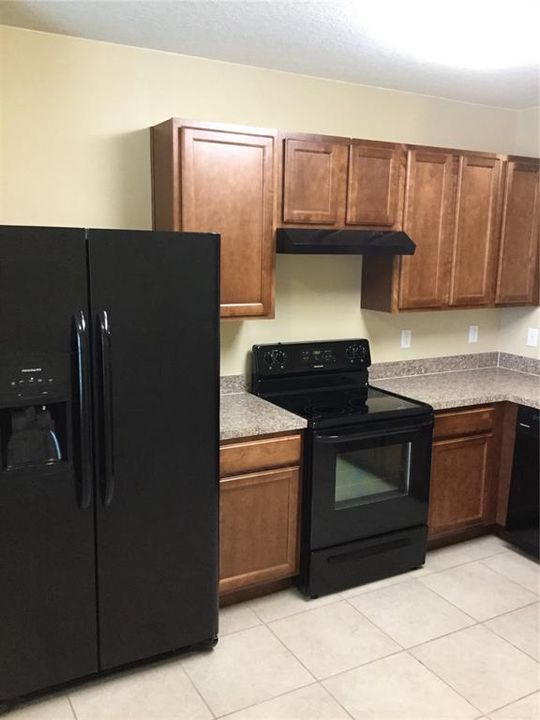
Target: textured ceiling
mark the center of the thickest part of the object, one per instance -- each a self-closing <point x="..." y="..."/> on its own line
<point x="329" y="39"/>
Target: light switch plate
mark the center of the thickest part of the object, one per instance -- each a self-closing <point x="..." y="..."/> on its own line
<point x="532" y="337"/>
<point x="406" y="336"/>
<point x="473" y="333"/>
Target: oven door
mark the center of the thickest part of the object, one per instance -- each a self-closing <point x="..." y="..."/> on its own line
<point x="367" y="481"/>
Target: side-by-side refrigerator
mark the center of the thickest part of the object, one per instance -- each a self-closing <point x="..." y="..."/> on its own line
<point x="109" y="393"/>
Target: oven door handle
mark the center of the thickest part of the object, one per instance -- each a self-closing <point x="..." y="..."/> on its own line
<point x="343" y="437"/>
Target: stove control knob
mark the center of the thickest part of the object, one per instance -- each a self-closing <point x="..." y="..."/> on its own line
<point x="352" y="352"/>
<point x="280" y="357"/>
<point x="268" y="358"/>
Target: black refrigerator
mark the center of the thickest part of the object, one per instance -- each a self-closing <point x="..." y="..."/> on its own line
<point x="109" y="442"/>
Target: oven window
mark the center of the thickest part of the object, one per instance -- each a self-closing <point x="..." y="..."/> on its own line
<point x="372" y="474"/>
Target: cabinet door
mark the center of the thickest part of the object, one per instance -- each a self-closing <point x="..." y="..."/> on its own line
<point x="373" y="185"/>
<point x="518" y="258"/>
<point x="429" y="202"/>
<point x="460" y="483"/>
<point x="227" y="186"/>
<point x="314" y="181"/>
<point x="476" y="231"/>
<point x="258" y="528"/>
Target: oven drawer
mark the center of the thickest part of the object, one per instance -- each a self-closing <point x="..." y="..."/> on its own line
<point x="356" y="563"/>
<point x="464" y="422"/>
<point x="252" y="455"/>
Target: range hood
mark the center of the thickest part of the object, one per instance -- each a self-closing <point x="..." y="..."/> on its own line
<point x="321" y="241"/>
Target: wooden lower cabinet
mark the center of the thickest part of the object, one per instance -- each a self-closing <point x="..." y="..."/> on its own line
<point x="464" y="466"/>
<point x="259" y="513"/>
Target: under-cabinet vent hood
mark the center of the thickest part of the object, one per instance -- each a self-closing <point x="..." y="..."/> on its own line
<point x="320" y="241"/>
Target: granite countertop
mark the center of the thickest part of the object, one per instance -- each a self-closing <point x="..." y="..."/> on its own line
<point x="246" y="415"/>
<point x="447" y="382"/>
<point x="467" y="387"/>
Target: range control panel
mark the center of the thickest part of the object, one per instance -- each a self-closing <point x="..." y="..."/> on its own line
<point x="307" y="357"/>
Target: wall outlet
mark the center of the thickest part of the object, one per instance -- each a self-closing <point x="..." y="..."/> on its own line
<point x="406" y="336"/>
<point x="473" y="333"/>
<point x="532" y="337"/>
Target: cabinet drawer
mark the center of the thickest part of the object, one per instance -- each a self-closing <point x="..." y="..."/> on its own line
<point x="264" y="454"/>
<point x="464" y="422"/>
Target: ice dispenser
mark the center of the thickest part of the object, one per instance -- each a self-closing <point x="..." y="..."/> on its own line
<point x="33" y="440"/>
<point x="34" y="407"/>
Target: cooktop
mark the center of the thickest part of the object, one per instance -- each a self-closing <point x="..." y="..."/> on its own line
<point x="326" y="383"/>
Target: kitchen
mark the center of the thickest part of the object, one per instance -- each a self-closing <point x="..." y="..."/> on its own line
<point x="76" y="152"/>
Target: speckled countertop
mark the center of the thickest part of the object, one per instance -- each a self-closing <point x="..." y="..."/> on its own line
<point x="467" y="387"/>
<point x="448" y="382"/>
<point x="245" y="415"/>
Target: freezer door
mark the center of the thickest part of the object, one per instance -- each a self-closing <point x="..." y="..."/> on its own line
<point x="48" y="629"/>
<point x="154" y="299"/>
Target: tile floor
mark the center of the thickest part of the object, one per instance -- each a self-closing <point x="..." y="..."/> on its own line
<point x="455" y="640"/>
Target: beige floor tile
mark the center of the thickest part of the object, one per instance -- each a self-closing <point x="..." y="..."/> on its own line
<point x="525" y="709"/>
<point x="411" y="613"/>
<point x="309" y="703"/>
<point x="385" y="582"/>
<point x="521" y="628"/>
<point x="398" y="688"/>
<point x="245" y="668"/>
<point x="57" y="708"/>
<point x="285" y="603"/>
<point x="333" y="638"/>
<point x="516" y="567"/>
<point x="461" y="553"/>
<point x="162" y="692"/>
<point x="482" y="667"/>
<point x="236" y="617"/>
<point x="478" y="590"/>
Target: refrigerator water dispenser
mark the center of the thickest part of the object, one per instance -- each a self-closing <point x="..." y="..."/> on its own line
<point x="32" y="436"/>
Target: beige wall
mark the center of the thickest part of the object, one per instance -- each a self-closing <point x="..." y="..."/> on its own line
<point x="513" y="327"/>
<point x="527" y="133"/>
<point x="74" y="119"/>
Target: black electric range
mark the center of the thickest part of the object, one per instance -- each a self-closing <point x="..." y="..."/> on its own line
<point x="367" y="456"/>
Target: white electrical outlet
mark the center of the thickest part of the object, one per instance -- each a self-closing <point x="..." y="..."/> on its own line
<point x="532" y="337"/>
<point x="406" y="336"/>
<point x="473" y="333"/>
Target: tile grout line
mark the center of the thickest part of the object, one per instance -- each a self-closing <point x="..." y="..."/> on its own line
<point x="212" y="713"/>
<point x="501" y="574"/>
<point x="299" y="612"/>
<point x="476" y="621"/>
<point x="266" y="623"/>
<point x="291" y="652"/>
<point x="327" y="677"/>
<point x="71" y="706"/>
<point x="501" y="707"/>
<point x="475" y="624"/>
<point x="445" y="681"/>
<point x="275" y="697"/>
<point x="501" y="637"/>
<point x="317" y="680"/>
<point x="427" y="573"/>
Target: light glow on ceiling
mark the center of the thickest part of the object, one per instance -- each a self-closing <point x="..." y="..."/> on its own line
<point x="474" y="34"/>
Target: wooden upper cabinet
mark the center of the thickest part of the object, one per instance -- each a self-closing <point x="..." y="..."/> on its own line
<point x="314" y="181"/>
<point x="221" y="179"/>
<point x="429" y="201"/>
<point x="374" y="183"/>
<point x="517" y="279"/>
<point x="476" y="231"/>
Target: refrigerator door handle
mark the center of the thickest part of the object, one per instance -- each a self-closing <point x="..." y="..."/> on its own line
<point x="85" y="470"/>
<point x="107" y="487"/>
